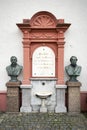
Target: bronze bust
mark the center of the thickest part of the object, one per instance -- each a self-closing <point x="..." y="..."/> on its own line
<point x="73" y="70"/>
<point x="14" y="69"/>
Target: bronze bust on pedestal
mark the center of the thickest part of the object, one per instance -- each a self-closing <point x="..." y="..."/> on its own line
<point x="14" y="69"/>
<point x="73" y="70"/>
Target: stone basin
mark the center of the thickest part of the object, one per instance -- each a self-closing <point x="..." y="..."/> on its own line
<point x="43" y="95"/>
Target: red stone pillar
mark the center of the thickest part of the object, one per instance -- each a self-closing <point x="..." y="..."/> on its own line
<point x="60" y="70"/>
<point x="26" y="55"/>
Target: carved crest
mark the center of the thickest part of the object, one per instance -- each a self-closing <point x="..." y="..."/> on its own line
<point x="43" y="21"/>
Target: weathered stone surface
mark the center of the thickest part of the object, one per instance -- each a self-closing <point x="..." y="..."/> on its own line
<point x="60" y="98"/>
<point x="73" y="96"/>
<point x="13" y="96"/>
<point x="26" y="98"/>
<point x="73" y="84"/>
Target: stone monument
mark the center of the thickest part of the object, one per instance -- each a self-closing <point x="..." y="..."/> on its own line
<point x="73" y="71"/>
<point x="43" y="51"/>
<point x="13" y="85"/>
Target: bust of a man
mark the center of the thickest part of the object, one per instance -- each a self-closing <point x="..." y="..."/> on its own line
<point x="14" y="69"/>
<point x="73" y="70"/>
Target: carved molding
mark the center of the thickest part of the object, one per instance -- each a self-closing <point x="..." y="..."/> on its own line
<point x="43" y="35"/>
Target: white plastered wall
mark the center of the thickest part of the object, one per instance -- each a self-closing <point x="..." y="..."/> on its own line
<point x="12" y="12"/>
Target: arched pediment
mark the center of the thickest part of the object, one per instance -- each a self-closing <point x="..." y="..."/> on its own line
<point x="43" y="19"/>
<point x="43" y="29"/>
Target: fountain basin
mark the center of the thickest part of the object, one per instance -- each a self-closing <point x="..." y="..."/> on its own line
<point x="43" y="96"/>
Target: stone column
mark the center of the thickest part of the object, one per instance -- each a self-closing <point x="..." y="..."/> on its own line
<point x="13" y="102"/>
<point x="60" y="98"/>
<point x="73" y="96"/>
<point x="26" y="98"/>
<point x="60" y="64"/>
<point x="26" y="55"/>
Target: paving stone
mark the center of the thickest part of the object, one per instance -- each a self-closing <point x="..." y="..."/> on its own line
<point x="42" y="121"/>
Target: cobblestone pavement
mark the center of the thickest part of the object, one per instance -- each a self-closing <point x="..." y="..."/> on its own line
<point x="42" y="121"/>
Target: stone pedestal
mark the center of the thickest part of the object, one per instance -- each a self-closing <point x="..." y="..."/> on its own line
<point x="26" y="98"/>
<point x="73" y="96"/>
<point x="60" y="98"/>
<point x="13" y="102"/>
<point x="43" y="107"/>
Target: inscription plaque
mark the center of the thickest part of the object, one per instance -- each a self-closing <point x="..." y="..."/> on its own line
<point x="43" y="63"/>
